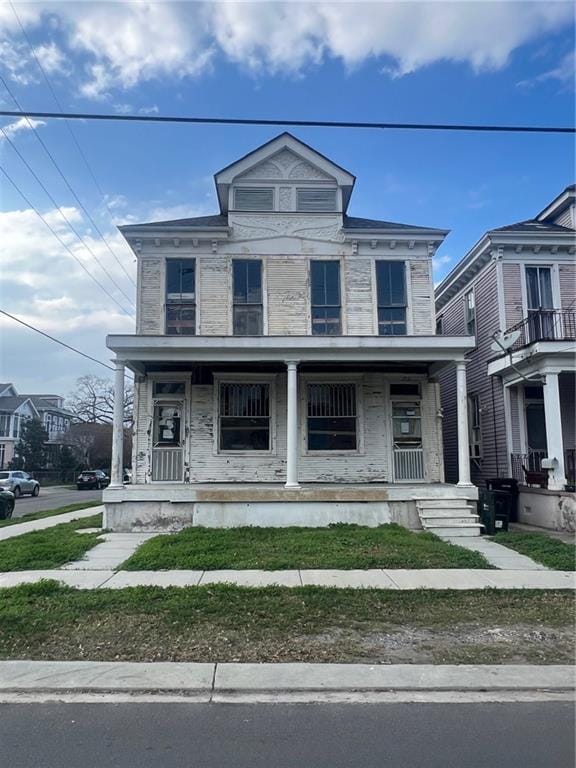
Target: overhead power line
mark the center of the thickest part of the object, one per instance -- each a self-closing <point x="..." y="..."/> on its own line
<point x="296" y="123"/>
<point x="63" y="215"/>
<point x="73" y="136"/>
<point x="65" y="180"/>
<point x="62" y="243"/>
<point x="52" y="338"/>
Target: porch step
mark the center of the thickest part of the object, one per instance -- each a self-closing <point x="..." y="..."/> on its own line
<point x="448" y="517"/>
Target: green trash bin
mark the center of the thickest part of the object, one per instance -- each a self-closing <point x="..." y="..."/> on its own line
<point x="503" y="502"/>
<point x="494" y="510"/>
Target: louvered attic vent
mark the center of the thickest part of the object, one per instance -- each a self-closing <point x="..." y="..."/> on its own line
<point x="254" y="198"/>
<point x="316" y="199"/>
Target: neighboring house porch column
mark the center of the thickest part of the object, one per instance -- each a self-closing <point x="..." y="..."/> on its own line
<point x="462" y="415"/>
<point x="117" y="472"/>
<point x="554" y="441"/>
<point x="292" y="426"/>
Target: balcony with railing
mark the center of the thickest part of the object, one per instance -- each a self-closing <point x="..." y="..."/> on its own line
<point x="544" y="325"/>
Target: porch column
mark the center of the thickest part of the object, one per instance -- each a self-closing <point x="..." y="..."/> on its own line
<point x="292" y="426"/>
<point x="554" y="441"/>
<point x="117" y="471"/>
<point x="462" y="415"/>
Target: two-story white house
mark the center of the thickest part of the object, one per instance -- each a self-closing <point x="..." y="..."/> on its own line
<point x="285" y="362"/>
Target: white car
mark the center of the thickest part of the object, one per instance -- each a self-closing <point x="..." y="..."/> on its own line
<point x="19" y="483"/>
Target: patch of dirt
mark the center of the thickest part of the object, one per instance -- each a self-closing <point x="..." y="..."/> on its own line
<point x="149" y="638"/>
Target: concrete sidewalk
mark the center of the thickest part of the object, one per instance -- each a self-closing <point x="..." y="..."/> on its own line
<point x="375" y="578"/>
<point x="497" y="555"/>
<point x="210" y="680"/>
<point x="10" y="531"/>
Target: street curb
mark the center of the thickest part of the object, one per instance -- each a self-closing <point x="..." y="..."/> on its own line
<point x="211" y="680"/>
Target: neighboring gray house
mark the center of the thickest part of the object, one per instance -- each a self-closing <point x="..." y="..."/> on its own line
<point x="516" y="291"/>
<point x="285" y="361"/>
<point x="15" y="409"/>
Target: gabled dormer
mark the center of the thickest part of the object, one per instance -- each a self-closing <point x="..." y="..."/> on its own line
<point x="284" y="175"/>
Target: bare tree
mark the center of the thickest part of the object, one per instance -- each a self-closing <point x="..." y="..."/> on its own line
<point x="93" y="401"/>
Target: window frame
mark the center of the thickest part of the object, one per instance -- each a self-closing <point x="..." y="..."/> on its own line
<point x="474" y="426"/>
<point x="300" y="190"/>
<point x="341" y="293"/>
<point x="252" y="378"/>
<point x="249" y="188"/>
<point x="262" y="304"/>
<point x="181" y="303"/>
<point x="470" y="312"/>
<point x="395" y="305"/>
<point x="358" y="381"/>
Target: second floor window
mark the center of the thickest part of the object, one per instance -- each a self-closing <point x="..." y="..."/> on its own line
<point x="180" y="297"/>
<point x="540" y="303"/>
<point x="325" y="295"/>
<point x="247" y="311"/>
<point x="391" y="289"/>
<point x="470" y="313"/>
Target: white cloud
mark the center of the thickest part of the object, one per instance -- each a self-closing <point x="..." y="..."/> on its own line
<point x="564" y="73"/>
<point x="124" y="44"/>
<point x="51" y="57"/>
<point x="440" y="261"/>
<point x="22" y="124"/>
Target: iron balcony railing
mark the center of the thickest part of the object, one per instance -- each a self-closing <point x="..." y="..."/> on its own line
<point x="545" y="325"/>
<point x="528" y="466"/>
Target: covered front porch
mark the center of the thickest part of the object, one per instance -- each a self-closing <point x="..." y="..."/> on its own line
<point x="288" y="430"/>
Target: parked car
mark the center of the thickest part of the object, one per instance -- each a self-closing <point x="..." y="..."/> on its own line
<point x="19" y="483"/>
<point x="7" y="502"/>
<point x="92" y="478"/>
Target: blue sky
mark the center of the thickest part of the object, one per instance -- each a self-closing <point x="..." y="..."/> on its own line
<point x="485" y="62"/>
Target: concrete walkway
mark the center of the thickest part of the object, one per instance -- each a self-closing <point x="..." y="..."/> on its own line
<point x="10" y="531"/>
<point x="209" y="679"/>
<point x="112" y="552"/>
<point x="375" y="578"/>
<point x="496" y="554"/>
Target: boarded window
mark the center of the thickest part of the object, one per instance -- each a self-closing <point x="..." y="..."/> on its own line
<point x="325" y="296"/>
<point x="247" y="307"/>
<point x="391" y="289"/>
<point x="181" y="297"/>
<point x="254" y="199"/>
<point x="332" y="417"/>
<point x="244" y="413"/>
<point x="316" y="200"/>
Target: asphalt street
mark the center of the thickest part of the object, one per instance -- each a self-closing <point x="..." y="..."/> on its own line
<point x="52" y="498"/>
<point x="182" y="735"/>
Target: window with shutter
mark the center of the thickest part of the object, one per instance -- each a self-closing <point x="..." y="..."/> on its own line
<point x="254" y="199"/>
<point x="317" y="200"/>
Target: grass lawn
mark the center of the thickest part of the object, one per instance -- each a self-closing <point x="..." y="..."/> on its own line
<point x="338" y="546"/>
<point x="50" y="548"/>
<point x="49" y="513"/>
<point x="547" y="550"/>
<point x="229" y="623"/>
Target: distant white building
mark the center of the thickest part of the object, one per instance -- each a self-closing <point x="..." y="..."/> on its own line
<point x="15" y="409"/>
<point x="286" y="361"/>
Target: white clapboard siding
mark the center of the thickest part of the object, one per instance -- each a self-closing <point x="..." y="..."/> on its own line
<point x="142" y="446"/>
<point x="432" y="433"/>
<point x="288" y="296"/>
<point x="566" y="218"/>
<point x="150" y="308"/>
<point x="360" y="320"/>
<point x="375" y="463"/>
<point x="214" y="295"/>
<point x="516" y="446"/>
<point x="567" y="274"/>
<point x="422" y="298"/>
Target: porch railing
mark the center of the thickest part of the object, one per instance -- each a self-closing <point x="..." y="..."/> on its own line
<point x="167" y="464"/>
<point x="545" y="325"/>
<point x="532" y="462"/>
<point x="408" y="464"/>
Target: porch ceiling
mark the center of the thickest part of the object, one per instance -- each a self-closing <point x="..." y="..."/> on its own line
<point x="427" y="352"/>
